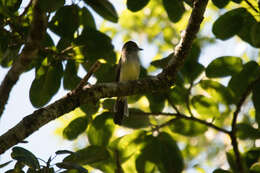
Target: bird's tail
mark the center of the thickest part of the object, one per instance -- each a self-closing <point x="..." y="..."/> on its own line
<point x="121" y="110"/>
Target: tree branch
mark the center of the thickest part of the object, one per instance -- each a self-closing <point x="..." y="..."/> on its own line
<point x="90" y="95"/>
<point x="30" y="50"/>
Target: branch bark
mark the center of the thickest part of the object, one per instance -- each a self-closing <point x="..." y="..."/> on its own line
<point x="30" y="50"/>
<point x="90" y="95"/>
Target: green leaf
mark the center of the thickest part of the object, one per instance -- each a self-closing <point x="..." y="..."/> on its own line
<point x="47" y="81"/>
<point x="135" y="120"/>
<point x="95" y="45"/>
<point x="66" y="21"/>
<point x="256" y="101"/>
<point x="188" y="128"/>
<point x="63" y="152"/>
<point x="248" y="22"/>
<point x="224" y="66"/>
<point x="229" y="24"/>
<point x="255" y="34"/>
<point x="196" y="69"/>
<point x="217" y="91"/>
<point x="101" y="129"/>
<point x="133" y="142"/>
<point x="109" y="104"/>
<point x="71" y="79"/>
<point x="237" y="1"/>
<point x="9" y="7"/>
<point x="159" y="151"/>
<point x="240" y="82"/>
<point x="205" y="106"/>
<point x="90" y="109"/>
<point x="86" y="18"/>
<point x="252" y="156"/>
<point x="88" y="155"/>
<point x="162" y="63"/>
<point x="26" y="157"/>
<point x="75" y="128"/>
<point x="255" y="168"/>
<point x="232" y="161"/>
<point x="104" y="8"/>
<point x="136" y="5"/>
<point x="5" y="164"/>
<point x="156" y="101"/>
<point x="70" y="166"/>
<point x="220" y="3"/>
<point x="221" y="171"/>
<point x="246" y="131"/>
<point x="50" y="5"/>
<point x="174" y="9"/>
<point x="178" y="95"/>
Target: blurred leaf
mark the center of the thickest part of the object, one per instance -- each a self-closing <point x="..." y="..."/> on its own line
<point x="96" y="45"/>
<point x="255" y="168"/>
<point x="88" y="155"/>
<point x="47" y="83"/>
<point x="71" y="79"/>
<point x="237" y="1"/>
<point x="205" y="106"/>
<point x="64" y="152"/>
<point x="224" y="66"/>
<point x="109" y="104"/>
<point x="174" y="9"/>
<point x="220" y="3"/>
<point x="135" y="120"/>
<point x="26" y="157"/>
<point x="252" y="156"/>
<point x="86" y="18"/>
<point x="196" y="69"/>
<point x="162" y="63"/>
<point x="9" y="7"/>
<point x="50" y="5"/>
<point x="188" y="128"/>
<point x="240" y="82"/>
<point x="90" y="109"/>
<point x="246" y="131"/>
<point x="104" y="8"/>
<point x="217" y="91"/>
<point x="178" y="95"/>
<point x="75" y="128"/>
<point x="106" y="72"/>
<point x="71" y="166"/>
<point x="159" y="151"/>
<point x="65" y="21"/>
<point x="5" y="164"/>
<point x="229" y="24"/>
<point x="156" y="101"/>
<point x="248" y="22"/>
<point x="101" y="129"/>
<point x="9" y="55"/>
<point x="136" y="5"/>
<point x="256" y="101"/>
<point x="232" y="161"/>
<point x="255" y="34"/>
<point x="221" y="171"/>
<point x="133" y="142"/>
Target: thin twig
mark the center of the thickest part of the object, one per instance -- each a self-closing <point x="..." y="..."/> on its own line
<point x="251" y="5"/>
<point x="188" y="100"/>
<point x="182" y="116"/>
<point x="92" y="70"/>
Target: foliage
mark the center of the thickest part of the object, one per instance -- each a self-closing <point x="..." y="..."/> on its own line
<point x="204" y="96"/>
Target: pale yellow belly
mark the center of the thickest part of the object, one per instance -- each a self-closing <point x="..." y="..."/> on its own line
<point x="130" y="71"/>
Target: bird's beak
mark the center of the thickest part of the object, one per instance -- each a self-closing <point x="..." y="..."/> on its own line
<point x="140" y="49"/>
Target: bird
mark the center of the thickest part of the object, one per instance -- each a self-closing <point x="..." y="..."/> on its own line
<point x="128" y="69"/>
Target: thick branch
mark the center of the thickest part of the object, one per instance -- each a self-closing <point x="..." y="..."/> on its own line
<point x="29" y="51"/>
<point x="89" y="95"/>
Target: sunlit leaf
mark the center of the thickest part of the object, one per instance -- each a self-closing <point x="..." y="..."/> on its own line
<point x="101" y="129"/>
<point x="252" y="156"/>
<point x="75" y="128"/>
<point x="26" y="157"/>
<point x="71" y="79"/>
<point x="135" y="120"/>
<point x="205" y="106"/>
<point x="178" y="95"/>
<point x="156" y="101"/>
<point x="224" y="66"/>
